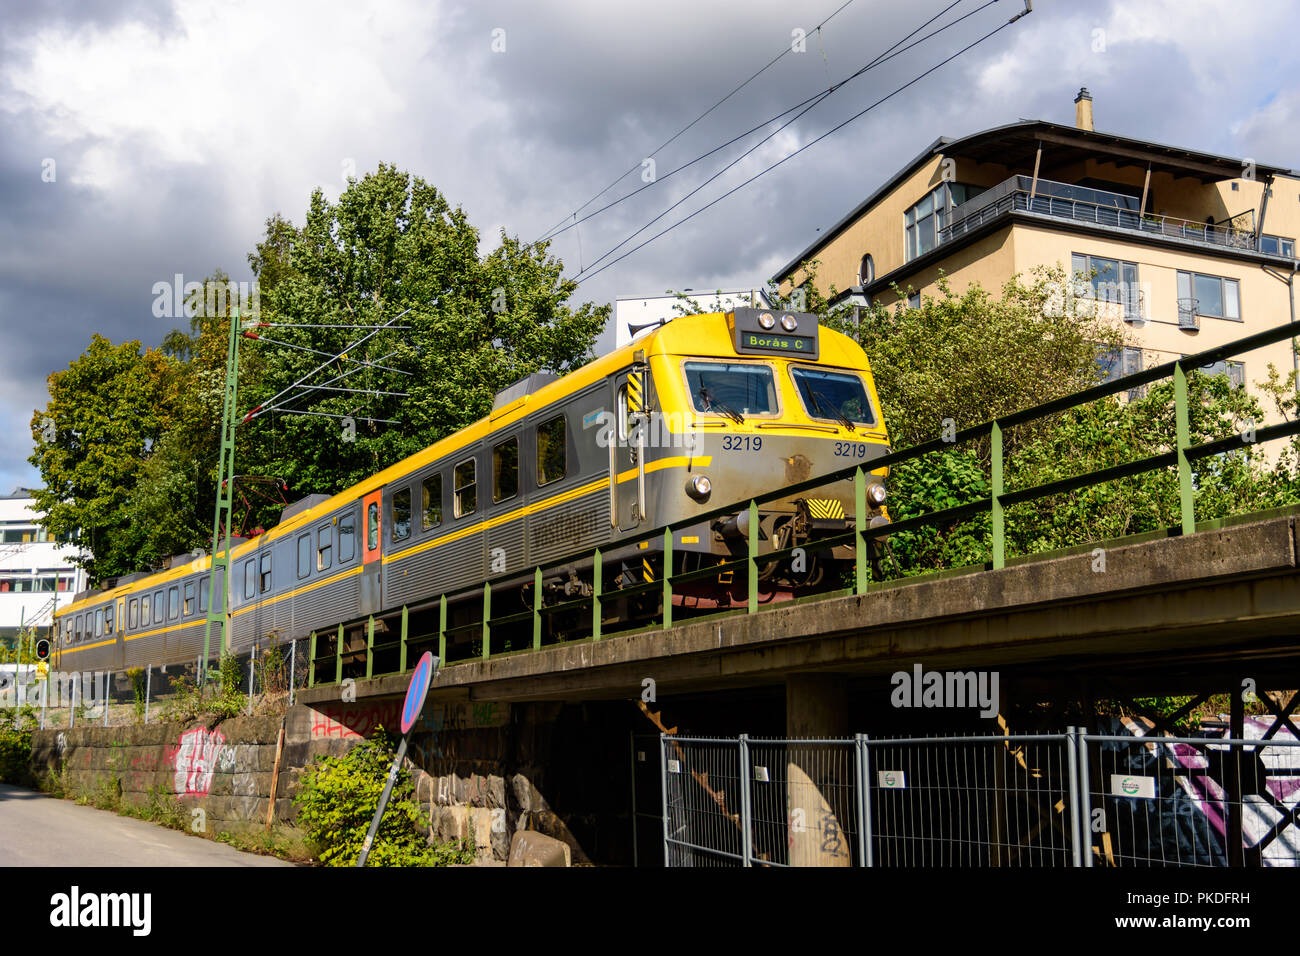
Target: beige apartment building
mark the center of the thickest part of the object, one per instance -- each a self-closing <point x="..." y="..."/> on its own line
<point x="1186" y="249"/>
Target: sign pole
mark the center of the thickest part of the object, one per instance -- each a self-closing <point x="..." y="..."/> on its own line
<point x="416" y="693"/>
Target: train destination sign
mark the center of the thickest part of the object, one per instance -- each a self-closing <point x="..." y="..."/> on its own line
<point x="773" y="332"/>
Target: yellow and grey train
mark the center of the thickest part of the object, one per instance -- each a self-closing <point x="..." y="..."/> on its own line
<point x="703" y="411"/>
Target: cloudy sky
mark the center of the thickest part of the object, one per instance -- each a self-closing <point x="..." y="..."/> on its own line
<point x="149" y="138"/>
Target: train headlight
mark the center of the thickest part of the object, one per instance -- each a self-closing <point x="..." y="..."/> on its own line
<point x="699" y="487"/>
<point x="767" y="320"/>
<point x="877" y="494"/>
<point x="789" y="323"/>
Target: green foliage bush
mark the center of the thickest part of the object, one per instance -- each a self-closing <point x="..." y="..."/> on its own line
<point x="337" y="800"/>
<point x="16" y="726"/>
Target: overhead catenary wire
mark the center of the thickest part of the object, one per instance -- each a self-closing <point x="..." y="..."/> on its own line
<point x="810" y="101"/>
<point x="550" y="233"/>
<point x="834" y="129"/>
<point x="880" y="58"/>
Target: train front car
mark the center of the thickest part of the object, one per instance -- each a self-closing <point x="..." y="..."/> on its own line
<point x="732" y="407"/>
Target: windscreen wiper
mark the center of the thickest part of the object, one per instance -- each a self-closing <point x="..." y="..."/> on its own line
<point x="711" y="403"/>
<point x="835" y="412"/>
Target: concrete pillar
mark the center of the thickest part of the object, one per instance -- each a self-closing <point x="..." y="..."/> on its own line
<point x="819" y="777"/>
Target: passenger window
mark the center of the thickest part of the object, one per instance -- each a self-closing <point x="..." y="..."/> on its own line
<point x="552" y="451"/>
<point x="173" y="603"/>
<point x="189" y="598"/>
<point x="108" y="620"/>
<point x="324" y="548"/>
<point x="304" y="555"/>
<point x="250" y="578"/>
<point x="266" y="573"/>
<point x="622" y="414"/>
<point x="465" y="499"/>
<point x="133" y="614"/>
<point x="432" y="503"/>
<point x="144" y="611"/>
<point x="372" y="526"/>
<point x="402" y="514"/>
<point x="205" y="585"/>
<point x="347" y="538"/>
<point x="99" y="622"/>
<point x="157" y="607"/>
<point x="505" y="469"/>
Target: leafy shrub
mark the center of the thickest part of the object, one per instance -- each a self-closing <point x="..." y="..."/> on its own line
<point x="337" y="801"/>
<point x="16" y="744"/>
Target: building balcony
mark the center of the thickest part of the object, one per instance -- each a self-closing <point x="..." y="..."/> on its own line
<point x="1095" y="207"/>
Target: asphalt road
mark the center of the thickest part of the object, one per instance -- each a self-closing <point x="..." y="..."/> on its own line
<point x="36" y="830"/>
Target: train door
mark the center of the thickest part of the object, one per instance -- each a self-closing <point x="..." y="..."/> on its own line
<point x="372" y="524"/>
<point x="629" y="456"/>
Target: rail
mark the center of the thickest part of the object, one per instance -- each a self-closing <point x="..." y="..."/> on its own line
<point x="1181" y="456"/>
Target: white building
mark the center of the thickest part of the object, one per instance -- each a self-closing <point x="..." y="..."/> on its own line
<point x="635" y="314"/>
<point x="35" y="572"/>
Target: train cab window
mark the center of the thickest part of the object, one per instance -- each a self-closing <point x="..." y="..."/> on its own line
<point x="173" y="603"/>
<point x="832" y="396"/>
<point x="189" y="598"/>
<point x="144" y="611"/>
<point x="724" y="388"/>
<point x="402" y="515"/>
<point x="133" y="614"/>
<point x="551" y="451"/>
<point x="372" y="526"/>
<point x="266" y="572"/>
<point x="324" y="548"/>
<point x="347" y="538"/>
<point x="465" y="499"/>
<point x="431" y="490"/>
<point x="157" y="607"/>
<point x="205" y="585"/>
<point x="304" y="555"/>
<point x="99" y="622"/>
<point x="505" y="469"/>
<point x="250" y="578"/>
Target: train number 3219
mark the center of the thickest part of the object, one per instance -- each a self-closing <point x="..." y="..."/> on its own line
<point x="850" y="449"/>
<point x="742" y="442"/>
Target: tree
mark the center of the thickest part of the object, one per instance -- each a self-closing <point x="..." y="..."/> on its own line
<point x="393" y="245"/>
<point x="106" y="412"/>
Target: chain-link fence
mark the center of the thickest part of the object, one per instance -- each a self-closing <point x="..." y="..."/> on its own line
<point x="256" y="681"/>
<point x="1072" y="799"/>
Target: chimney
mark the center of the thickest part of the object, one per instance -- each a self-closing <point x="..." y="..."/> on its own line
<point x="1083" y="109"/>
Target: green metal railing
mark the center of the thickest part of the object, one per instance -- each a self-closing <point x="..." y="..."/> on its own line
<point x="1182" y="456"/>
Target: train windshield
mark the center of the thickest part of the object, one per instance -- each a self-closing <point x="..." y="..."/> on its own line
<point x="731" y="389"/>
<point x="833" y="395"/>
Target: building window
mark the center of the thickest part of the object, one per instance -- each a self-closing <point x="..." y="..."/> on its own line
<point x="1276" y="245"/>
<point x="1209" y="295"/>
<point x="505" y="469"/>
<point x="465" y="499"/>
<point x="304" y="555"/>
<point x="1108" y="280"/>
<point x="431" y="503"/>
<point x="266" y="572"/>
<point x="1235" y="371"/>
<point x="914" y="300"/>
<point x="551" y="451"/>
<point x="923" y="223"/>
<point x="402" y="515"/>
<point x="347" y="538"/>
<point x="324" y="547"/>
<point x="866" y="270"/>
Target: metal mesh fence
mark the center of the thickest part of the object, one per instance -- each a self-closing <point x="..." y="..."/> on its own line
<point x="1039" y="800"/>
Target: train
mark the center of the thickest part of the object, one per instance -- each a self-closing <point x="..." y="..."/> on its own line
<point x="702" y="411"/>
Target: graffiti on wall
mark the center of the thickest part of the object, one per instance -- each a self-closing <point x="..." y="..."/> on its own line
<point x="196" y="759"/>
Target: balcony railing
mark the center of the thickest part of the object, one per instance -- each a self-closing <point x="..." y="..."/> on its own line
<point x="1082" y="204"/>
